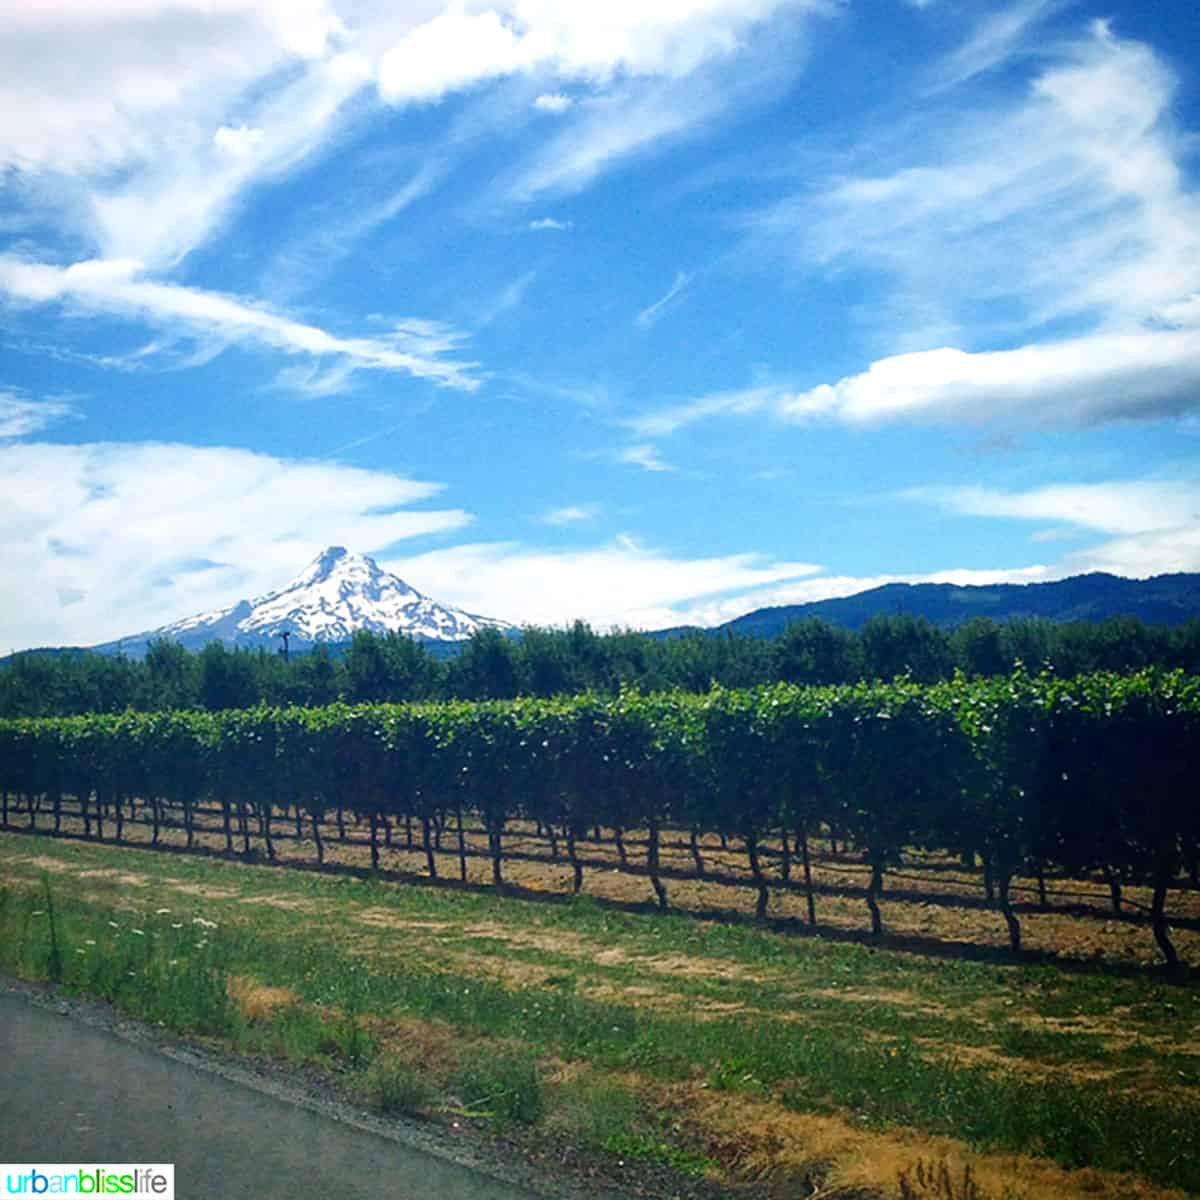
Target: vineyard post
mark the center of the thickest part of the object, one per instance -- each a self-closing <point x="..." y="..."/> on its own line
<point x="652" y="862"/>
<point x="462" y="838"/>
<point x="1162" y="881"/>
<point x="802" y="840"/>
<point x="1113" y="878"/>
<point x="430" y="858"/>
<point x="373" y="819"/>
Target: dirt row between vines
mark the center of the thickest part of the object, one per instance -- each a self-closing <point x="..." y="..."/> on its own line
<point x="931" y="903"/>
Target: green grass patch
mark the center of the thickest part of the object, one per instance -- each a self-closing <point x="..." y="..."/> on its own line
<point x="828" y="1027"/>
<point x="397" y="1088"/>
<point x="504" y="1085"/>
<point x="656" y="1149"/>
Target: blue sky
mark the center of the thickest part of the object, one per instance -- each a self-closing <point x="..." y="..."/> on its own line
<point x="642" y="311"/>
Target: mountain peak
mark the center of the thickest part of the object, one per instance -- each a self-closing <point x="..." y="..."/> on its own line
<point x="330" y="560"/>
<point x="330" y="555"/>
<point x="336" y="595"/>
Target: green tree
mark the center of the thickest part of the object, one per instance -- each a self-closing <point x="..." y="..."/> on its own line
<point x="903" y="645"/>
<point x="170" y="678"/>
<point x="227" y="678"/>
<point x="815" y="652"/>
<point x="485" y="668"/>
<point x="978" y="649"/>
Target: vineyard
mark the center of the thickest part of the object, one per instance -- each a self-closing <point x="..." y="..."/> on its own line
<point x="1019" y="778"/>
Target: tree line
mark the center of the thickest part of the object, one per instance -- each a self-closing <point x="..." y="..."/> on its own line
<point x="551" y="662"/>
<point x="1027" y="774"/>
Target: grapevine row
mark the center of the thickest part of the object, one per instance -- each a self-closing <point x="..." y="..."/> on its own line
<point x="1027" y="773"/>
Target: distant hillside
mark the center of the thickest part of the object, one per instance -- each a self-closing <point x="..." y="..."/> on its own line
<point x="1162" y="600"/>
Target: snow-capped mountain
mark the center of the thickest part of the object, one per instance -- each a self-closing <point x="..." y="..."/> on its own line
<point x="337" y="594"/>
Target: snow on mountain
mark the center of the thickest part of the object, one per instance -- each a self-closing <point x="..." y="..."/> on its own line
<point x="335" y="595"/>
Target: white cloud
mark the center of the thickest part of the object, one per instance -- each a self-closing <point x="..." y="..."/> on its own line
<point x="413" y="347"/>
<point x="1082" y="382"/>
<point x="571" y="514"/>
<point x="618" y="584"/>
<point x="187" y="184"/>
<point x="996" y="37"/>
<point x="549" y="223"/>
<point x="67" y="107"/>
<point x="1156" y="522"/>
<point x="553" y="102"/>
<point x="643" y="455"/>
<point x="454" y="50"/>
<point x="1068" y="201"/>
<point x="660" y="72"/>
<point x="125" y="525"/>
<point x="238" y="141"/>
<point x="1146" y="375"/>
<point x="510" y="296"/>
<point x="457" y="49"/>
<point x="609" y="130"/>
<point x="361" y="206"/>
<point x="1118" y="506"/>
<point x="1161" y="553"/>
<point x="143" y="145"/>
<point x="650" y="315"/>
<point x="144" y="150"/>
<point x="665" y="421"/>
<point x="20" y="417"/>
<point x="1041" y="536"/>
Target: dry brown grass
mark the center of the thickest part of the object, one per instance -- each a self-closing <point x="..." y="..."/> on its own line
<point x="789" y="1154"/>
<point x="257" y="1002"/>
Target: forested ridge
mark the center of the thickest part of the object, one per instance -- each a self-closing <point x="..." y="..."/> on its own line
<point x="1028" y="773"/>
<point x="551" y="662"/>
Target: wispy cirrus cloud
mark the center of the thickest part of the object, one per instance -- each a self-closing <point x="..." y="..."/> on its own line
<point x="668" y="72"/>
<point x="1123" y="506"/>
<point x="334" y="229"/>
<point x="413" y="346"/>
<point x="570" y="514"/>
<point x="644" y="455"/>
<point x="994" y="40"/>
<point x="21" y="416"/>
<point x="1154" y="524"/>
<point x="662" y="422"/>
<point x="1066" y="207"/>
<point x="1065" y="202"/>
<point x="650" y="315"/>
<point x="508" y="298"/>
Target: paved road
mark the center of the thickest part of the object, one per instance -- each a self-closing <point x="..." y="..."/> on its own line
<point x="70" y="1092"/>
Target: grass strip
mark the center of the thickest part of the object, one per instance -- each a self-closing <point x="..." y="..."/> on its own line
<point x="178" y="972"/>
